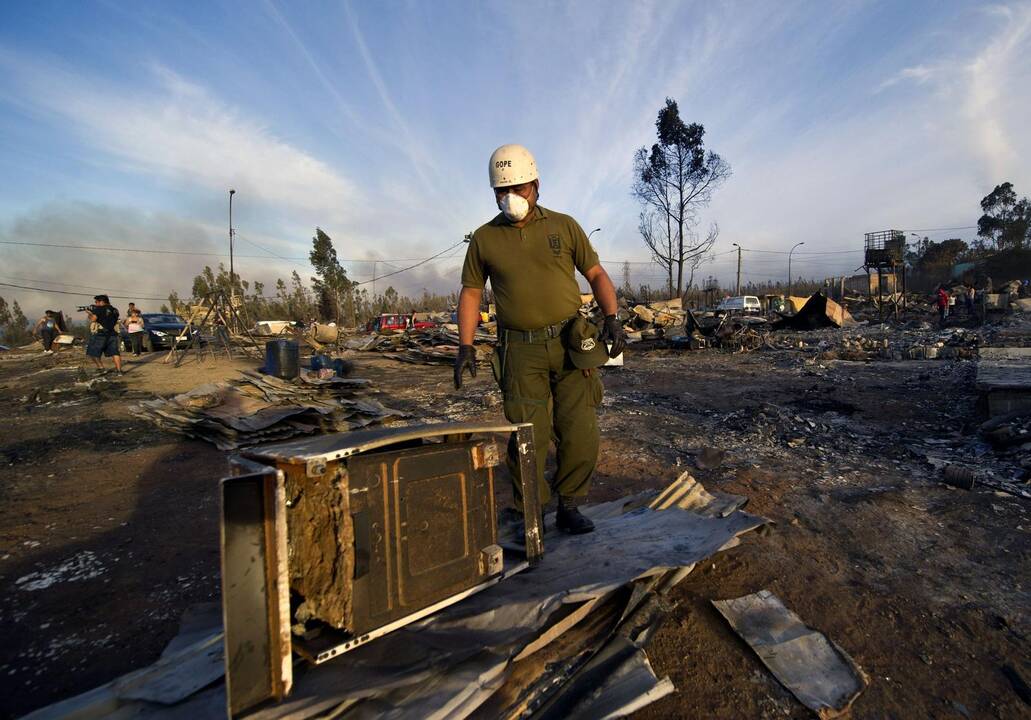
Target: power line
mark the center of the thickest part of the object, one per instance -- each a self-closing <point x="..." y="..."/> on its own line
<point x="77" y="294"/>
<point x="184" y="252"/>
<point x="963" y="227"/>
<point x="784" y="252"/>
<point x="70" y="285"/>
<point x="251" y="242"/>
<point x="421" y="262"/>
<point x="113" y="249"/>
<point x="140" y="297"/>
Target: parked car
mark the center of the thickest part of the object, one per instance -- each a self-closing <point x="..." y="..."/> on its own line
<point x="160" y="331"/>
<point x="388" y="321"/>
<point x="740" y="305"/>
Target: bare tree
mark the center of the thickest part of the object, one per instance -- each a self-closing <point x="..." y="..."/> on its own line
<point x="659" y="241"/>
<point x="699" y="253"/>
<point x="673" y="181"/>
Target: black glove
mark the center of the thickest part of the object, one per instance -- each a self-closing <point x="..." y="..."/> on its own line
<point x="466" y="358"/>
<point x="612" y="333"/>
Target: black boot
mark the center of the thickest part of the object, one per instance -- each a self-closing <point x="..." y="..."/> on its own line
<point x="570" y="520"/>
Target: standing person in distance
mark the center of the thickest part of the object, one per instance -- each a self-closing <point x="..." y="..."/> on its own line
<point x="46" y="330"/>
<point x="942" y="300"/>
<point x="547" y="352"/>
<point x="135" y="329"/>
<point x="105" y="340"/>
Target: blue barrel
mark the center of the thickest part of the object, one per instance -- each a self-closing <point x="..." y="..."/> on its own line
<point x="320" y="361"/>
<point x="282" y="359"/>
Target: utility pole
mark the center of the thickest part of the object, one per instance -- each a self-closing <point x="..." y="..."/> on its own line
<point x="789" y="265"/>
<point x="232" y="273"/>
<point x="737" y="290"/>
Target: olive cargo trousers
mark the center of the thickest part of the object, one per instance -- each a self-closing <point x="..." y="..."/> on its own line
<point x="542" y="386"/>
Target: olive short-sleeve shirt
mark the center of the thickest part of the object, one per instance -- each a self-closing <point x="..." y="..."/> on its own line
<point x="530" y="268"/>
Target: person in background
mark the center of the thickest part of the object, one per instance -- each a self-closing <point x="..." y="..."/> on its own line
<point x="105" y="340"/>
<point x="942" y="299"/>
<point x="222" y="333"/>
<point x="134" y="327"/>
<point x="46" y="331"/>
<point x="969" y="293"/>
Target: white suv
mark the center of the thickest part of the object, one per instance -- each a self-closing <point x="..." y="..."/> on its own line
<point x="747" y="304"/>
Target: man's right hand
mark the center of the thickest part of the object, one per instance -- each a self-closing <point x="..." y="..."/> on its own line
<point x="466" y="359"/>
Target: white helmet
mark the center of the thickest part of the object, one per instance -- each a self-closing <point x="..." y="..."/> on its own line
<point x="511" y="165"/>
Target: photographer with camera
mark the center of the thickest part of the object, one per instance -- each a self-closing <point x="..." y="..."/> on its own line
<point x="104" y="340"/>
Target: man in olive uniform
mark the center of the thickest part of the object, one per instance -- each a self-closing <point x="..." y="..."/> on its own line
<point x="547" y="354"/>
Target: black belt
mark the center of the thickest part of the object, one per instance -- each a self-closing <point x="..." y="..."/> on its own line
<point x="540" y="334"/>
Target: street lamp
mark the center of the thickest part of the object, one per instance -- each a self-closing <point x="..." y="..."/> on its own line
<point x="592" y="232"/>
<point x="232" y="273"/>
<point x="737" y="290"/>
<point x="789" y="265"/>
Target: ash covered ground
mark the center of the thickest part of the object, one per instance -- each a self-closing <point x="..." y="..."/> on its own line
<point x="109" y="525"/>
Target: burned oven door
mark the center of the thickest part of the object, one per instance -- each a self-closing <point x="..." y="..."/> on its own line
<point x="425" y="528"/>
<point x="255" y="599"/>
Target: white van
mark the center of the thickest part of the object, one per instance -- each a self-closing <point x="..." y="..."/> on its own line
<point x="746" y="304"/>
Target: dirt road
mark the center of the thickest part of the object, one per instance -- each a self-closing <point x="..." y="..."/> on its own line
<point x="108" y="527"/>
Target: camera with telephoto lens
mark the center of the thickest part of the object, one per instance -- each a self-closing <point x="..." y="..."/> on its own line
<point x="88" y="308"/>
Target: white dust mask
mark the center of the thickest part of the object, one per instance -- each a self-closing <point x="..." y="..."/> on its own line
<point x="515" y="207"/>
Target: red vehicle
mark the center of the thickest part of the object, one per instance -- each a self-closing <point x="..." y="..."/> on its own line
<point x="388" y="321"/>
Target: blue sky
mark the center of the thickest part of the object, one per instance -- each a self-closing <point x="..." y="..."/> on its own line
<point x="124" y="125"/>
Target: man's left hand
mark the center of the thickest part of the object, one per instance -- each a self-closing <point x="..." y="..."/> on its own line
<point x="466" y="359"/>
<point x="612" y="334"/>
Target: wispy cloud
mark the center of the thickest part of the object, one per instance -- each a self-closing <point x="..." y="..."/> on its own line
<point x="375" y="121"/>
<point x="980" y="94"/>
<point x="421" y="162"/>
<point x="997" y="79"/>
<point x="179" y="130"/>
<point x="919" y="74"/>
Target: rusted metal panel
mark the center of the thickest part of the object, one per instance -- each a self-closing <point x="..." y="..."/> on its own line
<point x="255" y="596"/>
<point x="330" y="644"/>
<point x="427" y="515"/>
<point x="527" y="469"/>
<point x="341" y="445"/>
<point x="381" y="528"/>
